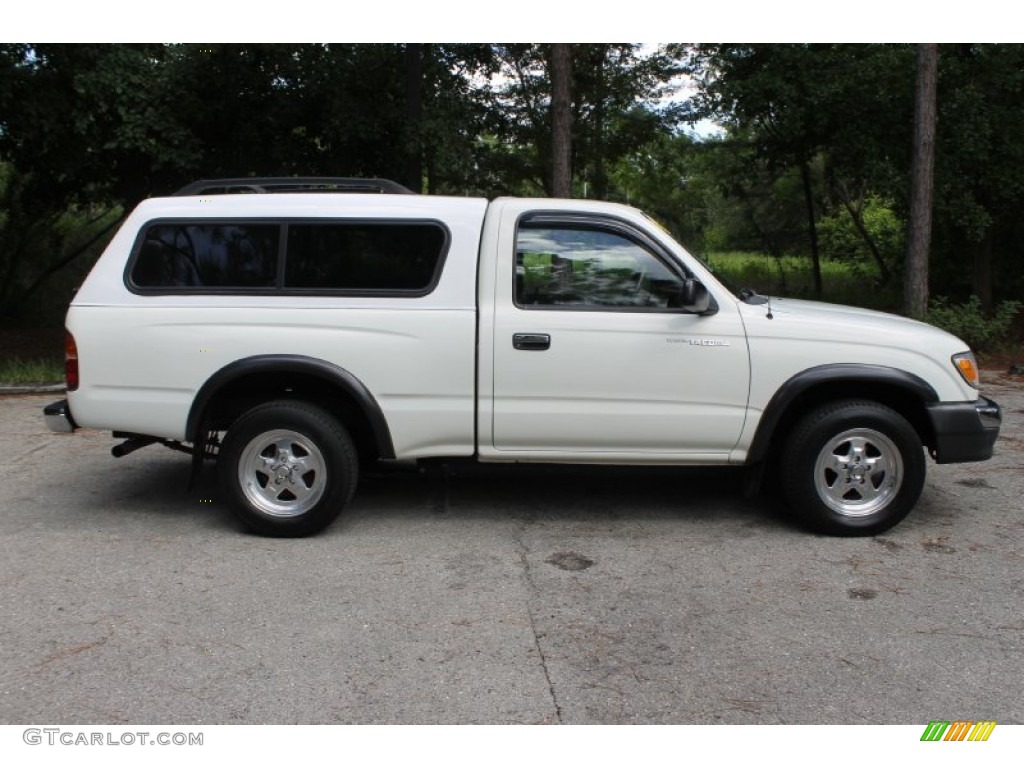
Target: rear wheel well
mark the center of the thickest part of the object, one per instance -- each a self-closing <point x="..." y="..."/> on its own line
<point x="248" y="391"/>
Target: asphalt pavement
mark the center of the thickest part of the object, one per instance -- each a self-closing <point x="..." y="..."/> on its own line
<point x="499" y="595"/>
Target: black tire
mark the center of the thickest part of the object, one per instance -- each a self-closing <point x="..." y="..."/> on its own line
<point x="288" y="468"/>
<point x="853" y="468"/>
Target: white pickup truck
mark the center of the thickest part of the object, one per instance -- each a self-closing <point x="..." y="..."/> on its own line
<point x="295" y="335"/>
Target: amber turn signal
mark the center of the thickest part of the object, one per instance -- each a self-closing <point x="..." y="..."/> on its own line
<point x="968" y="368"/>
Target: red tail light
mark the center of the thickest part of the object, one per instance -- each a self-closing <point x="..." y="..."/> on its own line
<point x="70" y="362"/>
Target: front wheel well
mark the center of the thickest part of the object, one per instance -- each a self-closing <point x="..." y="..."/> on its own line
<point x="906" y="403"/>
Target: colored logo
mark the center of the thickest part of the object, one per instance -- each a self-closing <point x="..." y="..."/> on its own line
<point x="958" y="730"/>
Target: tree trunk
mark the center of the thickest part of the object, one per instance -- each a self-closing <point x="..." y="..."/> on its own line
<point x="561" y="119"/>
<point x="414" y="116"/>
<point x="922" y="178"/>
<point x="812" y="227"/>
<point x="600" y="173"/>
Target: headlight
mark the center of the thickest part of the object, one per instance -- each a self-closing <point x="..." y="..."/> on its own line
<point x="968" y="368"/>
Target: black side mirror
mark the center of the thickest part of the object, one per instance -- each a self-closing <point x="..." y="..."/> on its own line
<point x="694" y="297"/>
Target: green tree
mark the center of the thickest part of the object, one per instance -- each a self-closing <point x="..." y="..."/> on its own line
<point x="797" y="105"/>
<point x="616" y="89"/>
<point x="979" y="167"/>
<point x="86" y="127"/>
<point x="852" y="106"/>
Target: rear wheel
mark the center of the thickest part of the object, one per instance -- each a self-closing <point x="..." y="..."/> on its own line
<point x="853" y="468"/>
<point x="288" y="468"/>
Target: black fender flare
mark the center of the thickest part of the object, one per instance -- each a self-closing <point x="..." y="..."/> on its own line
<point x="838" y="373"/>
<point x="300" y="364"/>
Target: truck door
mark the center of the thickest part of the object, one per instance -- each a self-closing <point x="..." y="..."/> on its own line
<point x="594" y="359"/>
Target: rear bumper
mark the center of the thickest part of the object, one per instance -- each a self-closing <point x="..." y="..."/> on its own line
<point x="964" y="431"/>
<point x="58" y="417"/>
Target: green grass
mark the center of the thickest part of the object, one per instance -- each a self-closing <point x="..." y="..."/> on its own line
<point x="15" y="370"/>
<point x="843" y="282"/>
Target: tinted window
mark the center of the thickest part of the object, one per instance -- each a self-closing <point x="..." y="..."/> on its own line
<point x="208" y="256"/>
<point x="364" y="256"/>
<point x="589" y="267"/>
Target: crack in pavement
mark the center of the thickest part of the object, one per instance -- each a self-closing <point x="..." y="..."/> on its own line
<point x="528" y="576"/>
<point x="24" y="455"/>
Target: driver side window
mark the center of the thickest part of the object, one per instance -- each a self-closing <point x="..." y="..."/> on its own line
<point x="587" y="267"/>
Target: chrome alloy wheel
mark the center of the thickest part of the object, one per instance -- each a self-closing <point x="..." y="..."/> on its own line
<point x="282" y="473"/>
<point x="858" y="472"/>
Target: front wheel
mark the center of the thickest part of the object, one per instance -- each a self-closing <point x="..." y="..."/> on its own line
<point x="853" y="468"/>
<point x="288" y="468"/>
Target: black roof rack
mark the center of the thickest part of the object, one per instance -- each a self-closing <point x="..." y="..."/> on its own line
<point x="266" y="184"/>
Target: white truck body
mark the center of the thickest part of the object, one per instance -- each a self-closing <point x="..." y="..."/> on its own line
<point x="472" y="368"/>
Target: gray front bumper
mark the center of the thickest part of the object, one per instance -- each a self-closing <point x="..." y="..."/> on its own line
<point x="965" y="431"/>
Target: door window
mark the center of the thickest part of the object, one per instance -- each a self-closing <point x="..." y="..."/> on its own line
<point x="589" y="267"/>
